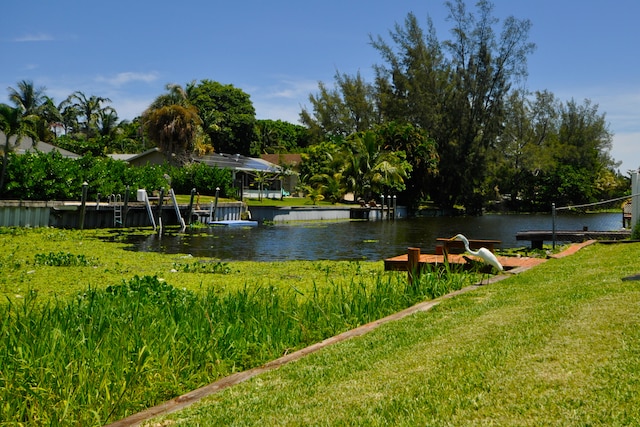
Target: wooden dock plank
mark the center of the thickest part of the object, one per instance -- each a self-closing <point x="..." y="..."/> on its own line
<point x="399" y="263"/>
<point x="538" y="237"/>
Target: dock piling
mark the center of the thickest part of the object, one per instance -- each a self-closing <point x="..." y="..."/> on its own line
<point x="413" y="265"/>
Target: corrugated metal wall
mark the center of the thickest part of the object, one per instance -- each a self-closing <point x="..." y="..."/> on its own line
<point x="57" y="214"/>
<point x="24" y="216"/>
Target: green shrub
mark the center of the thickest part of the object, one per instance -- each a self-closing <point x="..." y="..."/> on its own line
<point x="635" y="232"/>
<point x="62" y="259"/>
<point x="49" y="176"/>
<point x="201" y="177"/>
<point x="203" y="267"/>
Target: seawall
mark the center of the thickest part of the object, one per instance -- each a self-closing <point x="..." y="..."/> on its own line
<point x="17" y="213"/>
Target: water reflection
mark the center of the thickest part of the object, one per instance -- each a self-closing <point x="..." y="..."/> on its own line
<point x="357" y="240"/>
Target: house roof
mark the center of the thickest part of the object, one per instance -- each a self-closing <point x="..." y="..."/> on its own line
<point x="238" y="163"/>
<point x="132" y="157"/>
<point x="26" y="146"/>
<point x="292" y="160"/>
<point x="223" y="161"/>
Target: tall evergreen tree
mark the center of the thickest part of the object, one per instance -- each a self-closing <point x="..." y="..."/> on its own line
<point x="455" y="89"/>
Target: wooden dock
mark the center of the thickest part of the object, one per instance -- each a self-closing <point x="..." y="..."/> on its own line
<point x="538" y="237"/>
<point x="414" y="262"/>
<point x="400" y="262"/>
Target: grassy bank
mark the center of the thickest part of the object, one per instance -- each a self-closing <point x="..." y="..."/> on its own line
<point x="91" y="332"/>
<point x="558" y="345"/>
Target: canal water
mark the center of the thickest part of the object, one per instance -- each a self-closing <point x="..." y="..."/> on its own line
<point x="358" y="240"/>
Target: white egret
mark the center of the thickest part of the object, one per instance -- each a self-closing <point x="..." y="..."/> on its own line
<point x="485" y="254"/>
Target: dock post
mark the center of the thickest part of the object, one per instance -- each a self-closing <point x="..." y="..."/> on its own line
<point x="160" y="200"/>
<point x="413" y="265"/>
<point x="190" y="208"/>
<point x="395" y="205"/>
<point x="635" y="200"/>
<point x="553" y="225"/>
<point x="215" y="206"/>
<point x="83" y="203"/>
<point x="125" y="207"/>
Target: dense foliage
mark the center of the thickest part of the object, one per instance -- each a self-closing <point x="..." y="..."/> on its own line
<point x="49" y="176"/>
<point x="277" y="136"/>
<point x="495" y="146"/>
<point x="227" y="115"/>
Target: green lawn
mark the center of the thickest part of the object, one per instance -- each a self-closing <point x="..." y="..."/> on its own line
<point x="558" y="345"/>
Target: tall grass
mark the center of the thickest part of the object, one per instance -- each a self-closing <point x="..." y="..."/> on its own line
<point x="111" y="352"/>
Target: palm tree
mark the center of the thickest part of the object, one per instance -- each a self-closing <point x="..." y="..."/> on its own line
<point x="173" y="128"/>
<point x="69" y="114"/>
<point x="262" y="179"/>
<point x="176" y="95"/>
<point x="31" y="102"/>
<point x="27" y="97"/>
<point x="173" y="114"/>
<point x="333" y="185"/>
<point x="368" y="169"/>
<point x="15" y="126"/>
<point x="51" y="116"/>
<point x="89" y="109"/>
<point x="315" y="193"/>
<point x="107" y="122"/>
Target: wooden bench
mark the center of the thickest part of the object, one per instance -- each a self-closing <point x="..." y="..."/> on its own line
<point x="414" y="261"/>
<point x="448" y="246"/>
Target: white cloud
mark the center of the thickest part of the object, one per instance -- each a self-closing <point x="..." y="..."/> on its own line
<point x="121" y="79"/>
<point x="283" y="99"/>
<point x="626" y="148"/>
<point x="130" y="108"/>
<point x="293" y="89"/>
<point x="285" y="111"/>
<point x="622" y="111"/>
<point x="37" y="37"/>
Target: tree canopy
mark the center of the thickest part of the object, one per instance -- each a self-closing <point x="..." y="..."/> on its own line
<point x="477" y="136"/>
<point x="227" y="115"/>
<point x="456" y="89"/>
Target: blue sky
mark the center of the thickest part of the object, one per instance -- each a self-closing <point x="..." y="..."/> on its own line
<point x="278" y="51"/>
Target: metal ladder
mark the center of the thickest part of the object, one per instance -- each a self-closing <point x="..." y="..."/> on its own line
<point x="116" y="201"/>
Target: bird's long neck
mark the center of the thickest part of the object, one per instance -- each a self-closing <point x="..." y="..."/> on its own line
<point x="466" y="246"/>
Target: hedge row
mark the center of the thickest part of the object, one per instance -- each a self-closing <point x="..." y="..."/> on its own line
<point x="49" y="176"/>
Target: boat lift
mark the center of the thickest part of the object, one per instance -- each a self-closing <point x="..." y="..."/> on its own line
<point x="144" y="197"/>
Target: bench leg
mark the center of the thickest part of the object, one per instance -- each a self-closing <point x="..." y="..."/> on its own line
<point x="536" y="244"/>
<point x="413" y="265"/>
